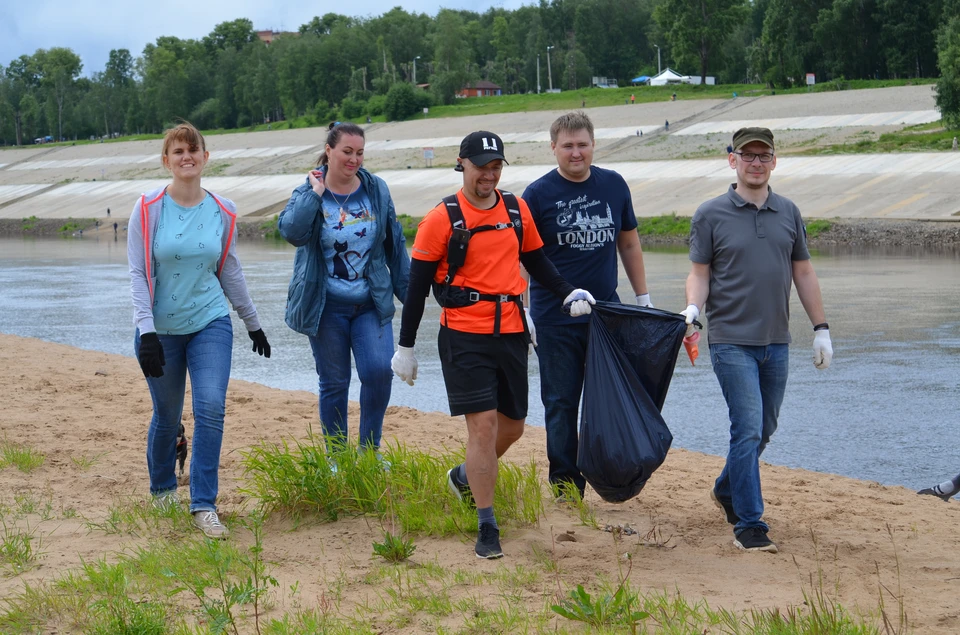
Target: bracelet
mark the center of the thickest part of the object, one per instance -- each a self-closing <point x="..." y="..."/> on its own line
<point x="823" y="326"/>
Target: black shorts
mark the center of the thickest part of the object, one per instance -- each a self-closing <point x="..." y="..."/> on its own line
<point x="483" y="372"/>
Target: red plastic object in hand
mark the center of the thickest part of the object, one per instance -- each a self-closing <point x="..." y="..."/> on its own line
<point x="693" y="350"/>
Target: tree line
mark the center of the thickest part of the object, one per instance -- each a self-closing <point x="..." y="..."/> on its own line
<point x="336" y="66"/>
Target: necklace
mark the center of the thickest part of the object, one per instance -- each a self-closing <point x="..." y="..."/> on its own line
<point x="341" y="205"/>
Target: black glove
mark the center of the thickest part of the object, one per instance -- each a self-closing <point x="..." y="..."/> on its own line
<point x="260" y="344"/>
<point x="151" y="355"/>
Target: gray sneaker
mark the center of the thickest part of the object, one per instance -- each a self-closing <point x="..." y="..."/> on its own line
<point x="209" y="523"/>
<point x="166" y="501"/>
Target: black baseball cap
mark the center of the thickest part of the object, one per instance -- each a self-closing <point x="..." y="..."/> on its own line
<point x="481" y="148"/>
<point x="743" y="136"/>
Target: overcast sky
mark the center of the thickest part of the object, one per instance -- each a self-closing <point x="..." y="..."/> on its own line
<point x="93" y="27"/>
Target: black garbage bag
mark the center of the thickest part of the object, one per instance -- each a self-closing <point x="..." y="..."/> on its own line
<point x="631" y="354"/>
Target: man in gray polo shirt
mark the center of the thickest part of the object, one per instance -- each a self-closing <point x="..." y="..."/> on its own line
<point x="747" y="246"/>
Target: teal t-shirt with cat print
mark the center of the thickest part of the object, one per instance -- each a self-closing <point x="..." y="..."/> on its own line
<point x="187" y="249"/>
<point x="346" y="239"/>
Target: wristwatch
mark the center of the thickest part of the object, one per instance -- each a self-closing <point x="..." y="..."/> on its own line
<point x="823" y="326"/>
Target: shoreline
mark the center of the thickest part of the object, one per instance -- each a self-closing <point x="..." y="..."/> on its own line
<point x="841" y="232"/>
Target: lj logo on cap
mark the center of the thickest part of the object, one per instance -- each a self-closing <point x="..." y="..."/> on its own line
<point x="488" y="145"/>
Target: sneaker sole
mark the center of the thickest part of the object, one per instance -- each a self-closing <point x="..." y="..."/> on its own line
<point x="453" y="486"/>
<point x="454" y="489"/>
<point x="491" y="556"/>
<point x="771" y="548"/>
<point x="222" y="536"/>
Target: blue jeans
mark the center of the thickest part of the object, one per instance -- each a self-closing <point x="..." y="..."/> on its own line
<point x="562" y="352"/>
<point x="753" y="380"/>
<point x="346" y="327"/>
<point x="206" y="355"/>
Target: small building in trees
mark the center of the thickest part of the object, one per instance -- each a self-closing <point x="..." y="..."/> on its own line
<point x="268" y="36"/>
<point x="482" y="88"/>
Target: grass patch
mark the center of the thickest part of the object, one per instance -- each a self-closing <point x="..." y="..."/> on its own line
<point x="85" y="462"/>
<point x="216" y="168"/>
<point x="297" y="478"/>
<point x="21" y="457"/>
<point x="270" y="229"/>
<point x="927" y="138"/>
<point x="70" y="227"/>
<point x="18" y="549"/>
<point x="409" y="224"/>
<point x="666" y="225"/>
<point x="817" y="227"/>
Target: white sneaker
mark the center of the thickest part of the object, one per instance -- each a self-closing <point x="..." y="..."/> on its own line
<point x="209" y="523"/>
<point x="166" y="501"/>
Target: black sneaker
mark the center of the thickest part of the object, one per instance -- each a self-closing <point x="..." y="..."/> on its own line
<point x="935" y="491"/>
<point x="726" y="506"/>
<point x="754" y="539"/>
<point x="458" y="489"/>
<point x="488" y="542"/>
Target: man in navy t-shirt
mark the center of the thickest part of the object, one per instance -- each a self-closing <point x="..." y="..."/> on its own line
<point x="584" y="215"/>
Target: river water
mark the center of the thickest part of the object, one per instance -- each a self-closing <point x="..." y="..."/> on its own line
<point x="884" y="411"/>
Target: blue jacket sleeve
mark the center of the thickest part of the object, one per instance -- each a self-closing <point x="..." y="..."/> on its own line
<point x="398" y="260"/>
<point x="298" y="219"/>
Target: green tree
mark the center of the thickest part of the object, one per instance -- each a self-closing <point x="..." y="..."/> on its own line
<point x="59" y="70"/>
<point x="696" y="29"/>
<point x="234" y="34"/>
<point x="948" y="86"/>
<point x="401" y="102"/>
<point x="29" y="110"/>
<point x="24" y="80"/>
<point x="613" y="47"/>
<point x="906" y="26"/>
<point x="788" y="47"/>
<point x="849" y="39"/>
<point x="165" y="84"/>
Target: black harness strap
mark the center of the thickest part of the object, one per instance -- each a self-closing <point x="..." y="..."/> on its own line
<point x="449" y="296"/>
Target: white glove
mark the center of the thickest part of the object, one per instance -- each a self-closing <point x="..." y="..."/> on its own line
<point x="579" y="301"/>
<point x="644" y="300"/>
<point x="822" y="349"/>
<point x="691" y="313"/>
<point x="532" y="328"/>
<point x="404" y="364"/>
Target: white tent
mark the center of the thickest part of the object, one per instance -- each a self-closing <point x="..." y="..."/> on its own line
<point x="668" y="76"/>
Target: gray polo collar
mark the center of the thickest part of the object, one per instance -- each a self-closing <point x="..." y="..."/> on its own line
<point x="772" y="202"/>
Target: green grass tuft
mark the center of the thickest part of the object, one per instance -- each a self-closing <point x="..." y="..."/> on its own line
<point x="297" y="478"/>
<point x="817" y="227"/>
<point x="666" y="225"/>
<point x="23" y="458"/>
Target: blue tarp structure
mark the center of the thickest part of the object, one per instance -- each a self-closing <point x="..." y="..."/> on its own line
<point x="643" y="79"/>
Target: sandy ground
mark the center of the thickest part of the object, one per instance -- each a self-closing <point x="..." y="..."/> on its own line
<point x="70" y="403"/>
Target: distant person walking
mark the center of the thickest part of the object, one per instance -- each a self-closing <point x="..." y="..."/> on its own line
<point x="183" y="269"/>
<point x="748" y="247"/>
<point x="632" y="99"/>
<point x="351" y="262"/>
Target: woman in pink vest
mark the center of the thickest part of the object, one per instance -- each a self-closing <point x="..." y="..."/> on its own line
<point x="184" y="268"/>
